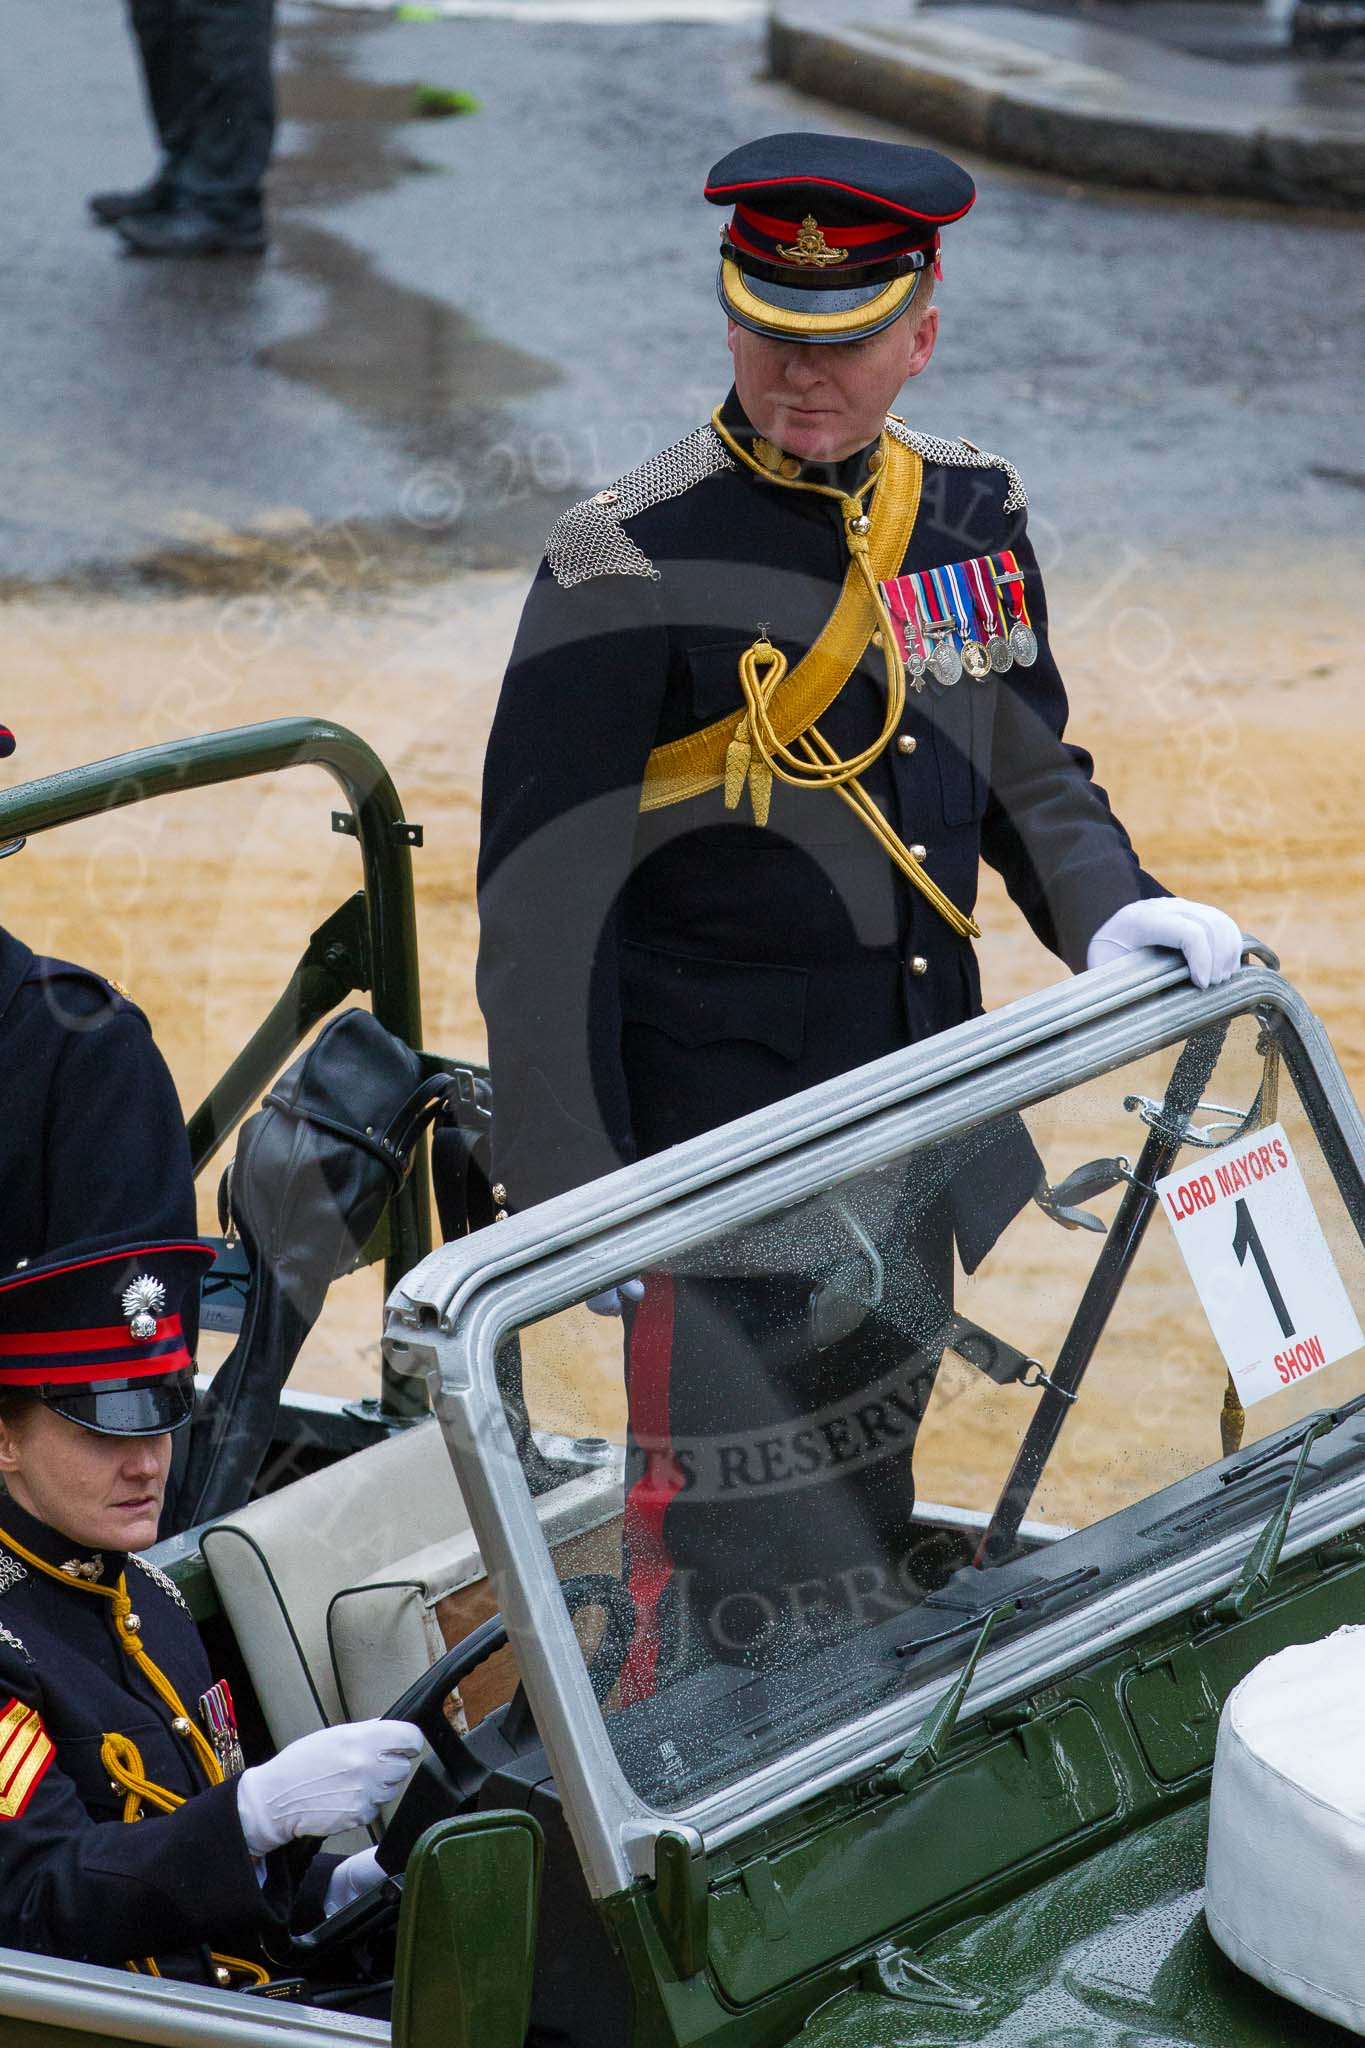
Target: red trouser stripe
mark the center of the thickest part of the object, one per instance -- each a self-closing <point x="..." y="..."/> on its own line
<point x="649" y="1361"/>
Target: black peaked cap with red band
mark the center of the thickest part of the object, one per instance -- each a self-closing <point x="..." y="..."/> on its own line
<point x="829" y="235"/>
<point x="97" y="1333"/>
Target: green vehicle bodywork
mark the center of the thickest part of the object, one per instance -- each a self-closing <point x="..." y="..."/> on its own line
<point x="1024" y="1873"/>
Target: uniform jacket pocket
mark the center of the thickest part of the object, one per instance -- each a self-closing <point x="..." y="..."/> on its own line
<point x="698" y="1001"/>
<point x="961" y="717"/>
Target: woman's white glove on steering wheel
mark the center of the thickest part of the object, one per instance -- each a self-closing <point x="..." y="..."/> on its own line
<point x="1209" y="938"/>
<point x="337" y="1778"/>
<point x="352" y="1876"/>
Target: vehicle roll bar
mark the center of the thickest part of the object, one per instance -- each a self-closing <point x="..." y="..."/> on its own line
<point x="369" y="943"/>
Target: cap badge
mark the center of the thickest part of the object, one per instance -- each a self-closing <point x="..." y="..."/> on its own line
<point x="810" y="246"/>
<point x="143" y="1302"/>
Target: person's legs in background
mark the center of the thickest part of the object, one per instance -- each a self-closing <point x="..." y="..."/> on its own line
<point x="172" y="87"/>
<point x="222" y="131"/>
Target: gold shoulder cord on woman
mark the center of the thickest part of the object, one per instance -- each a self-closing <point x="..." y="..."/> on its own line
<point x="119" y="1754"/>
<point x="777" y="735"/>
<point x="126" y="1623"/>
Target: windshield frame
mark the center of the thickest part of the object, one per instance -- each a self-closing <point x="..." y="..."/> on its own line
<point x="448" y="1316"/>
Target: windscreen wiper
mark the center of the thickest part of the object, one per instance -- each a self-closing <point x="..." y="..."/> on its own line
<point x="1253" y="1581"/>
<point x="930" y="1739"/>
<point x="1292" y="1438"/>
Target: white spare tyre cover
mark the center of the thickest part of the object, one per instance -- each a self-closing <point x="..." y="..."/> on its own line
<point x="1285" y="1886"/>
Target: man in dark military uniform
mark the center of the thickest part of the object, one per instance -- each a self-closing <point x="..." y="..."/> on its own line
<point x="131" y="1831"/>
<point x="774" y="695"/>
<point x="206" y="66"/>
<point x="92" y="1139"/>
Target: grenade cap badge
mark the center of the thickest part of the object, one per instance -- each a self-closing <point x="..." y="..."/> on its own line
<point x="143" y="1301"/>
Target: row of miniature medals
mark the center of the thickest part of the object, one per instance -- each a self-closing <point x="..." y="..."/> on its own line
<point x="966" y="618"/>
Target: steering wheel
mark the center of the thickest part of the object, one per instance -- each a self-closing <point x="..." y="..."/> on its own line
<point x="454" y="1783"/>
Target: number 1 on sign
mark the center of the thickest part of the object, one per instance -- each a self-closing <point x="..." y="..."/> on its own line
<point x="1246" y="1238"/>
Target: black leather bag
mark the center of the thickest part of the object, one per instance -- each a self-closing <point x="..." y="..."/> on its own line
<point x="314" y="1170"/>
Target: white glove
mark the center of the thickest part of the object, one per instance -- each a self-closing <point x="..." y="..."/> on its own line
<point x="337" y="1778"/>
<point x="612" y="1300"/>
<point x="1209" y="939"/>
<point x="354" y="1875"/>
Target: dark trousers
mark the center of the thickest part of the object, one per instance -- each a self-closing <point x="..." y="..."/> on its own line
<point x="211" y="96"/>
<point x="770" y="1493"/>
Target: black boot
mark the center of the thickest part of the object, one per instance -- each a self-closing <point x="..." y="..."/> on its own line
<point x="152" y="198"/>
<point x="188" y="231"/>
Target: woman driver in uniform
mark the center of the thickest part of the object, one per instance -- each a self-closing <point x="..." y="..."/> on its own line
<point x="129" y="1831"/>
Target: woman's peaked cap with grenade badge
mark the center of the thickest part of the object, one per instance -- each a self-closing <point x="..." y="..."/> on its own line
<point x="96" y="1332"/>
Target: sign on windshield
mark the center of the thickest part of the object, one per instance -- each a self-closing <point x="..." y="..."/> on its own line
<point x="1261" y="1264"/>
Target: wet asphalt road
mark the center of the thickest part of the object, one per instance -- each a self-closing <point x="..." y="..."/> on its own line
<point x="463" y="323"/>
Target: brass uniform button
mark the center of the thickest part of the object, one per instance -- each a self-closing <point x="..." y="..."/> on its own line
<point x="499" y="1215"/>
<point x="877" y="640"/>
<point x="918" y="852"/>
<point x="874" y="460"/>
<point x="790" y="467"/>
<point x="918" y="964"/>
<point x="498" y="1192"/>
<point x="906" y="744"/>
<point x="180" y="1726"/>
<point x="222" y="1976"/>
<point x="861" y="524"/>
<point x="132" y="1623"/>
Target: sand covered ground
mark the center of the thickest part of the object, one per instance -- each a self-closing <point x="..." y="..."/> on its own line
<point x="1226" y="729"/>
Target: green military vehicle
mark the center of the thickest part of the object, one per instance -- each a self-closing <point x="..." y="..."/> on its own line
<point x="975" y="1813"/>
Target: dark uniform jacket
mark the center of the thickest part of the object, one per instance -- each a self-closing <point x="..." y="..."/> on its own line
<point x="92" y="1141"/>
<point x="648" y="976"/>
<point x="75" y="1879"/>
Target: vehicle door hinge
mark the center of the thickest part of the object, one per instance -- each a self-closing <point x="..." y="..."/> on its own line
<point x="682" y="1899"/>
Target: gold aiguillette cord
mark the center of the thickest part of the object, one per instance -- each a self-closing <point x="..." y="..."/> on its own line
<point x="757" y="754"/>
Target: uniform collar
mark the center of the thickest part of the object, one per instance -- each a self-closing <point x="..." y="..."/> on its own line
<point x="98" y="1567"/>
<point x="847" y="477"/>
<point x="15" y="960"/>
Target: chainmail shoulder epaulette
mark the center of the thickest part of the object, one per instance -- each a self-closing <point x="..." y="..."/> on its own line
<point x="159" y="1578"/>
<point x="11" y="1571"/>
<point x="963" y="455"/>
<point x="588" y="540"/>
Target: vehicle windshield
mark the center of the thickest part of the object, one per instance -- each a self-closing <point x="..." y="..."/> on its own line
<point x="845" y="1431"/>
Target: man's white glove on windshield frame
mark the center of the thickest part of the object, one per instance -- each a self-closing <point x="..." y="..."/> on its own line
<point x="612" y="1300"/>
<point x="1210" y="940"/>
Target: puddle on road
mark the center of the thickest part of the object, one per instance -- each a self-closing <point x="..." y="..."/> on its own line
<point x="403" y="360"/>
<point x="404" y="357"/>
<point x="382" y="347"/>
<point x="399" y="355"/>
<point x="350" y="145"/>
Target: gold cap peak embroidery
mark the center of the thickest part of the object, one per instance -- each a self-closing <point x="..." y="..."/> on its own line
<point x="810" y="246"/>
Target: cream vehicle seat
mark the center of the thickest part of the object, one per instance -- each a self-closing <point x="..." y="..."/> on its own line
<point x="345" y="1586"/>
<point x="1286" y="1863"/>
